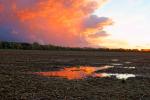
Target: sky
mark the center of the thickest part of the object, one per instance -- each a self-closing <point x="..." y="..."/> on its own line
<point x="77" y="23"/>
<point x="131" y="28"/>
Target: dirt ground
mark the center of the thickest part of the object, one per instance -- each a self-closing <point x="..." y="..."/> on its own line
<point x="18" y="83"/>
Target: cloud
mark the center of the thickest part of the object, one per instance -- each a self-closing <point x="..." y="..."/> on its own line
<point x="100" y="34"/>
<point x="97" y="22"/>
<point x="61" y="22"/>
<point x="1" y="7"/>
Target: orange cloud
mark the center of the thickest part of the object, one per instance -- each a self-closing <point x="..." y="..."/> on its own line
<point x="1" y="7"/>
<point x="61" y="22"/>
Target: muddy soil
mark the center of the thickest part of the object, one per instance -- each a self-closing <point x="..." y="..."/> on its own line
<point x="17" y="81"/>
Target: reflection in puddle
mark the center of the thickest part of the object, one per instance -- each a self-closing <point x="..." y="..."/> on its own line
<point x="83" y="72"/>
<point x="119" y="76"/>
<point x="116" y="64"/>
<point x="115" y="60"/>
<point x="127" y="62"/>
<point x="129" y="67"/>
<point x="75" y="72"/>
<point x="126" y="67"/>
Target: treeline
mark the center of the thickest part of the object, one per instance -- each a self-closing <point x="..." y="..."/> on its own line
<point x="27" y="46"/>
<point x="37" y="46"/>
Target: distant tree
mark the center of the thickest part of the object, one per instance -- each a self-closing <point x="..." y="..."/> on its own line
<point x="26" y="46"/>
<point x="5" y="45"/>
<point x="18" y="46"/>
<point x="36" y="45"/>
<point x="12" y="45"/>
<point x="1" y="47"/>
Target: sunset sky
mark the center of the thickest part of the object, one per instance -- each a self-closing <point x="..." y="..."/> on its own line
<point x="77" y="23"/>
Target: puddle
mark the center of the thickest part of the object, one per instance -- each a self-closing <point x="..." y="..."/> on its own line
<point x="126" y="67"/>
<point x="83" y="72"/>
<point x="129" y="67"/>
<point x="80" y="72"/>
<point x="114" y="60"/>
<point x="119" y="76"/>
<point x="123" y="76"/>
<point x="127" y="62"/>
<point x="116" y="64"/>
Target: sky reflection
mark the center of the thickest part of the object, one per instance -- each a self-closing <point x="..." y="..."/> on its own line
<point x="82" y="72"/>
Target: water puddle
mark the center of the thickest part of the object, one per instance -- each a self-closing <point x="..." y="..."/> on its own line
<point x="119" y="76"/>
<point x="129" y="67"/>
<point x="83" y="72"/>
<point x="80" y="72"/>
<point x="114" y="60"/>
<point x="116" y="64"/>
<point x="127" y="62"/>
<point x="125" y="67"/>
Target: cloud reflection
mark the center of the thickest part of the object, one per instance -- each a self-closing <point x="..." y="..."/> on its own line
<point x="76" y="72"/>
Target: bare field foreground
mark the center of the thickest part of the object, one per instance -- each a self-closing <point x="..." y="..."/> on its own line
<point x="74" y="75"/>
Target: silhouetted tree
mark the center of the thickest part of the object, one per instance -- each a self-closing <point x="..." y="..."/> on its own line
<point x="1" y="47"/>
<point x="37" y="46"/>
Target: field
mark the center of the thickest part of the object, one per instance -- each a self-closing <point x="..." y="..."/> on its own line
<point x="18" y="81"/>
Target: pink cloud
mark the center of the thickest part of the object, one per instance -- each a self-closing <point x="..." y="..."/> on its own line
<point x="65" y="23"/>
